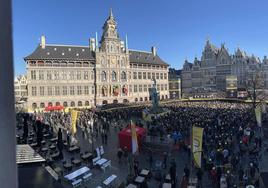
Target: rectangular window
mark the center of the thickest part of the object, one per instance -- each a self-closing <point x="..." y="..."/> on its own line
<point x="78" y="75"/>
<point x="162" y="87"/>
<point x="79" y="90"/>
<point x="49" y="75"/>
<point x="135" y="88"/>
<point x="49" y="90"/>
<point x="71" y="90"/>
<point x="42" y="90"/>
<point x="92" y="75"/>
<point x="130" y="88"/>
<point x="149" y="75"/>
<point x="149" y="86"/>
<point x="166" y="87"/>
<point x="144" y="75"/>
<point x="56" y="75"/>
<point x="153" y="75"/>
<point x="33" y="75"/>
<point x="86" y="90"/>
<point x="129" y="75"/>
<point x="140" y="88"/>
<point x="93" y="90"/>
<point x="157" y="76"/>
<point x="140" y="76"/>
<point x="34" y="91"/>
<point x="165" y="76"/>
<point x="134" y="75"/>
<point x="161" y="76"/>
<point x="145" y="88"/>
<point x="64" y="75"/>
<point x="71" y="75"/>
<point x="85" y="75"/>
<point x="158" y="87"/>
<point x="64" y="90"/>
<point x="41" y="75"/>
<point x="57" y="90"/>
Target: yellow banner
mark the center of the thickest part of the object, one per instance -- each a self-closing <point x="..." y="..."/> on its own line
<point x="197" y="139"/>
<point x="74" y="114"/>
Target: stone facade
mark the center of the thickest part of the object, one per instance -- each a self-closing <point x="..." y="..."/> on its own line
<point x="174" y="83"/>
<point x="20" y="87"/>
<point x="208" y="75"/>
<point x="75" y="76"/>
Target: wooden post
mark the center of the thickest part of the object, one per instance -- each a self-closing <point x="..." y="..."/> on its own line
<point x="8" y="170"/>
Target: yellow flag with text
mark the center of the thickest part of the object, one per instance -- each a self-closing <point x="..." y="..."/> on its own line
<point x="74" y="114"/>
<point x="197" y="139"/>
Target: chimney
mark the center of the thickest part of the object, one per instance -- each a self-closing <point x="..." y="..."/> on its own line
<point x="154" y="51"/>
<point x="92" y="44"/>
<point x="43" y="41"/>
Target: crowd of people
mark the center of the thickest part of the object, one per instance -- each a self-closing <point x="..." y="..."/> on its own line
<point x="232" y="141"/>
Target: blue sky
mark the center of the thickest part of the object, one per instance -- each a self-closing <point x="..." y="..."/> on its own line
<point x="178" y="28"/>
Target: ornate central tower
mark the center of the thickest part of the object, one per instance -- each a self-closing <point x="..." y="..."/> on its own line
<point x="110" y="41"/>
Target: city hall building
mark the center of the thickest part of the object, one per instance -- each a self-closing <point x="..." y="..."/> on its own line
<point x="103" y="72"/>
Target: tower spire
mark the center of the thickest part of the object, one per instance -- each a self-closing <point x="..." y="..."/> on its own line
<point x="96" y="42"/>
<point x="111" y="14"/>
<point x="126" y="44"/>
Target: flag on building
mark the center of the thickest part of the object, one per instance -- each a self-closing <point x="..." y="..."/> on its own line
<point x="258" y="115"/>
<point x="74" y="115"/>
<point x="197" y="139"/>
<point x="135" y="147"/>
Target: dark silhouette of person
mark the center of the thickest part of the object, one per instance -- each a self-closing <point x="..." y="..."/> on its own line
<point x="60" y="144"/>
<point x="39" y="136"/>
<point x="25" y="128"/>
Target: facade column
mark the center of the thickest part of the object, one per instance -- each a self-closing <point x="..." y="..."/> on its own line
<point x="8" y="170"/>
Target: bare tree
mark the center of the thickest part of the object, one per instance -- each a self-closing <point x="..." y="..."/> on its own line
<point x="255" y="87"/>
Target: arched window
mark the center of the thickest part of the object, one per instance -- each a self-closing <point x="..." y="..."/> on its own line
<point x="42" y="105"/>
<point x="113" y="76"/>
<point x="79" y="103"/>
<point x="72" y="104"/>
<point x="34" y="105"/>
<point x="123" y="76"/>
<point x="57" y="103"/>
<point x="86" y="103"/>
<point x="65" y="104"/>
<point x="103" y="76"/>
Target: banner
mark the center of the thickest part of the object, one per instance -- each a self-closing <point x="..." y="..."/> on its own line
<point x="134" y="138"/>
<point x="197" y="139"/>
<point x="74" y="114"/>
<point x="258" y="115"/>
